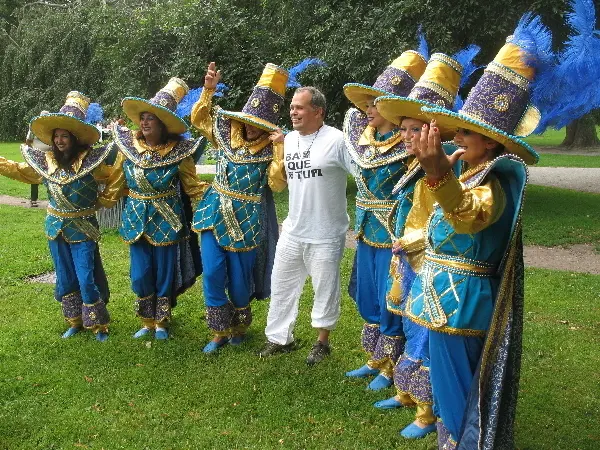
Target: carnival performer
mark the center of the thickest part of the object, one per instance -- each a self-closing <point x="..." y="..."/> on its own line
<point x="469" y="292"/>
<point x="315" y="166"/>
<point x="236" y="217"/>
<point x="72" y="170"/>
<point x="375" y="144"/>
<point x="437" y="86"/>
<point x="155" y="165"/>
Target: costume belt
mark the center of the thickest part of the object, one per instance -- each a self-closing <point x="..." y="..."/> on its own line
<point x="375" y="205"/>
<point x="453" y="264"/>
<point x="460" y="265"/>
<point x="157" y="198"/>
<point x="78" y="216"/>
<point x="381" y="209"/>
<point x="237" y="195"/>
<point x="73" y="214"/>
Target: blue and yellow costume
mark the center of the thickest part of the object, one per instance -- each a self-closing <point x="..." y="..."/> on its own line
<point x="153" y="219"/>
<point x="71" y="226"/>
<point x="381" y="161"/>
<point x="236" y="217"/>
<point x="438" y="85"/>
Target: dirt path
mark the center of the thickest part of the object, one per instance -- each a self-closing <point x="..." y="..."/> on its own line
<point x="577" y="179"/>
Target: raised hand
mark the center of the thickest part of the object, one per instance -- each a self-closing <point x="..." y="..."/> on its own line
<point x="276" y="136"/>
<point x="428" y="150"/>
<point x="212" y="77"/>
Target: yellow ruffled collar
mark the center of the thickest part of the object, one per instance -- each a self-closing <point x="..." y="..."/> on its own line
<point x="238" y="141"/>
<point x="162" y="149"/>
<point x="368" y="138"/>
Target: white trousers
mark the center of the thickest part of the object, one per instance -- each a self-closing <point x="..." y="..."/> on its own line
<point x="294" y="262"/>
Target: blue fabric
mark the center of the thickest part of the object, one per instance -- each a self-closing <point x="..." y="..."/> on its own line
<point x="453" y="363"/>
<point x="226" y="271"/>
<point x="373" y="265"/>
<point x="152" y="268"/>
<point x="75" y="265"/>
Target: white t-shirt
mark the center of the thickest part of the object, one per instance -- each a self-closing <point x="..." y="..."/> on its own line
<point x="317" y="167"/>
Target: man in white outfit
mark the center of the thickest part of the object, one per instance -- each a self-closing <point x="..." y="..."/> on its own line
<point x="315" y="165"/>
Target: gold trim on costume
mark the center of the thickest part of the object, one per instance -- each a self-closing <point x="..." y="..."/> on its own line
<point x="509" y="75"/>
<point x="139" y="196"/>
<point x="236" y="194"/>
<point x="89" y="212"/>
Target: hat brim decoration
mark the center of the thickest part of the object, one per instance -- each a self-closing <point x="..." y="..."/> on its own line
<point x="133" y="107"/>
<point x="43" y="127"/>
<point x="361" y="94"/>
<point x="250" y="119"/>
<point x="454" y="120"/>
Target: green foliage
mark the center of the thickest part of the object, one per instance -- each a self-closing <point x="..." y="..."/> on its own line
<point x="112" y="49"/>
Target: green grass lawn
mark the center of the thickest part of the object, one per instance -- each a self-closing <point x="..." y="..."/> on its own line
<point x="126" y="393"/>
<point x="566" y="160"/>
<point x="11" y="150"/>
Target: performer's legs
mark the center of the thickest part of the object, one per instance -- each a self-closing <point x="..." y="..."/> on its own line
<point x="240" y="286"/>
<point x="143" y="283"/>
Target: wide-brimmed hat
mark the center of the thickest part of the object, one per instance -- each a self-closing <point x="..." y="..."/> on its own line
<point x="397" y="79"/>
<point x="499" y="105"/>
<point x="438" y="86"/>
<point x="71" y="117"/>
<point x="163" y="105"/>
<point x="266" y="101"/>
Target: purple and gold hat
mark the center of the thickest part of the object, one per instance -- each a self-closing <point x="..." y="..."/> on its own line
<point x="438" y="86"/>
<point x="499" y="105"/>
<point x="163" y="105"/>
<point x="71" y="117"/>
<point x="266" y="101"/>
<point x="397" y="79"/>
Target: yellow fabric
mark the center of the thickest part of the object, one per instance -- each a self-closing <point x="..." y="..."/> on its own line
<point x="368" y="138"/>
<point x="53" y="164"/>
<point x="238" y="141"/>
<point x="276" y="171"/>
<point x="515" y="58"/>
<point x="413" y="240"/>
<point x="440" y="72"/>
<point x="411" y="62"/>
<point x="275" y="78"/>
<point x="19" y="171"/>
<point x="142" y="147"/>
<point x="192" y="186"/>
<point x="201" y="115"/>
<point x="114" y="179"/>
<point x="470" y="210"/>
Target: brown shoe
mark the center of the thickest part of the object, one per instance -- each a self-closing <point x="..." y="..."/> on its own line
<point x="272" y="348"/>
<point x="318" y="353"/>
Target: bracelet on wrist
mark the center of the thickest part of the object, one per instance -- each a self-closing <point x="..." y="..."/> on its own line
<point x="435" y="185"/>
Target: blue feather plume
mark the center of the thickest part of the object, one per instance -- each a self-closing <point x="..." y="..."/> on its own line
<point x="184" y="108"/>
<point x="573" y="90"/>
<point x="535" y="39"/>
<point x="458" y="103"/>
<point x="301" y="67"/>
<point x="94" y="114"/>
<point x="465" y="58"/>
<point x="423" y="46"/>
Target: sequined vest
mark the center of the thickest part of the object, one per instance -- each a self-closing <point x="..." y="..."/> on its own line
<point x="72" y="195"/>
<point x="231" y="206"/>
<point x="153" y="207"/>
<point x="377" y="175"/>
<point x="455" y="291"/>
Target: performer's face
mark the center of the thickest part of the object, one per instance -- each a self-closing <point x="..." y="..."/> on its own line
<point x="252" y="133"/>
<point x="410" y="127"/>
<point x="478" y="148"/>
<point x="376" y="120"/>
<point x="151" y="126"/>
<point x="62" y="140"/>
<point x="305" y="117"/>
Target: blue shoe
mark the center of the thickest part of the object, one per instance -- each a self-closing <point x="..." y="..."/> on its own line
<point x="101" y="337"/>
<point x="390" y="403"/>
<point x="213" y="346"/>
<point x="416" y="432"/>
<point x="237" y="340"/>
<point x="70" y="332"/>
<point x="380" y="382"/>
<point x="141" y="332"/>
<point x="362" y="372"/>
<point x="161" y="334"/>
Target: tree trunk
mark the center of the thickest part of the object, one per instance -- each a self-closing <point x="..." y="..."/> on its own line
<point x="581" y="133"/>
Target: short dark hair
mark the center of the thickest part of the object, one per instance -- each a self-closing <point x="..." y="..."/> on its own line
<point x="317" y="99"/>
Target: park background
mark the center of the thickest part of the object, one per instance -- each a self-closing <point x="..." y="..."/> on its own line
<point x="127" y="393"/>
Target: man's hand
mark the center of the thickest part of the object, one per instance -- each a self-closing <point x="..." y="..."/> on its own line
<point x="428" y="150"/>
<point x="212" y="77"/>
